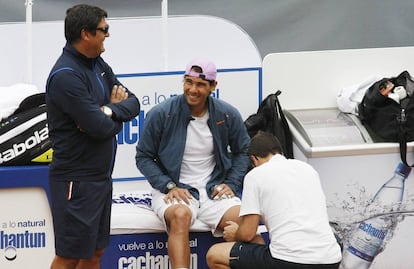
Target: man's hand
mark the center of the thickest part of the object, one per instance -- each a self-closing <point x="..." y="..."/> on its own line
<point x="178" y="195"/>
<point x="118" y="94"/>
<point x="222" y="191"/>
<point x="229" y="233"/>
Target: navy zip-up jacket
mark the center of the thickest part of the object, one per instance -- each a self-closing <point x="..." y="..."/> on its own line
<point x="83" y="137"/>
<point x="161" y="146"/>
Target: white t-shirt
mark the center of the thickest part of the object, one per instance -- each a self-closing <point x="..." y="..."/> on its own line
<point x="198" y="160"/>
<point x="288" y="195"/>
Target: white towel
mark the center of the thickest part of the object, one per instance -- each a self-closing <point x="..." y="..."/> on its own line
<point x="11" y="97"/>
<point x="350" y="97"/>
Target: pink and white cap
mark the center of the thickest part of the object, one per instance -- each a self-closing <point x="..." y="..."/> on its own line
<point x="208" y="68"/>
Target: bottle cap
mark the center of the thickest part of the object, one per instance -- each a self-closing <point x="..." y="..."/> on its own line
<point x="400" y="90"/>
<point x="403" y="169"/>
<point x="394" y="96"/>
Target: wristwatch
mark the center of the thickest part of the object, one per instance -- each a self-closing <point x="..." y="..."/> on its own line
<point x="107" y="111"/>
<point x="171" y="185"/>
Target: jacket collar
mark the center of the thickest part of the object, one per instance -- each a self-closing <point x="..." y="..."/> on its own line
<point x="88" y="62"/>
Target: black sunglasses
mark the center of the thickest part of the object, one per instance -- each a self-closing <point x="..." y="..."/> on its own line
<point x="104" y="30"/>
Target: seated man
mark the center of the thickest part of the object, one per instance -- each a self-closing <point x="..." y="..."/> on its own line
<point x="287" y="196"/>
<point x="184" y="153"/>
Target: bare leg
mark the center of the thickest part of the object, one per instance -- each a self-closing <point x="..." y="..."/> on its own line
<point x="218" y="256"/>
<point x="233" y="215"/>
<point x="92" y="263"/>
<point x="178" y="220"/>
<point x="68" y="263"/>
<point x="64" y="263"/>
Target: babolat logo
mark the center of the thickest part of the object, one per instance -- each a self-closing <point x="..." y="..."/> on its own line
<point x="371" y="230"/>
<point x="17" y="149"/>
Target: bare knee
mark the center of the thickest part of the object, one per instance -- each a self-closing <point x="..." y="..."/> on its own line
<point x="92" y="263"/>
<point x="211" y="256"/>
<point x="218" y="256"/>
<point x="62" y="262"/>
<point x="98" y="254"/>
<point x="178" y="218"/>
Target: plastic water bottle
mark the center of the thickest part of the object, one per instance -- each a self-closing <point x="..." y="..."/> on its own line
<point x="366" y="241"/>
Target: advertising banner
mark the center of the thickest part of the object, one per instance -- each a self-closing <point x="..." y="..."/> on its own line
<point x="371" y="209"/>
<point x="26" y="228"/>
<point x="150" y="251"/>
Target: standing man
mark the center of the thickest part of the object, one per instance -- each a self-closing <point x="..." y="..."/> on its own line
<point x="287" y="196"/>
<point x="86" y="106"/>
<point x="193" y="151"/>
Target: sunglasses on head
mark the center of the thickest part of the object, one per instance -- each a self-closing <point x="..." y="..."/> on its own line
<point x="104" y="30"/>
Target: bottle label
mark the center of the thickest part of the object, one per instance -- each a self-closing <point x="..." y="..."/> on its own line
<point x="367" y="241"/>
<point x="360" y="254"/>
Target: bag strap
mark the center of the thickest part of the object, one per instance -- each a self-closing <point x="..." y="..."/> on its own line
<point x="286" y="129"/>
<point x="402" y="119"/>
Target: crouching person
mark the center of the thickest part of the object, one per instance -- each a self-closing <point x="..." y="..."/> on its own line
<point x="287" y="196"/>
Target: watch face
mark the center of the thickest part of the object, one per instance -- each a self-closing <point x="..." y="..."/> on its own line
<point x="107" y="111"/>
<point x="171" y="185"/>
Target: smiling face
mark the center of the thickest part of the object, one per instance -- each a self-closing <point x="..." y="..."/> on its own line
<point x="97" y="41"/>
<point x="91" y="43"/>
<point x="86" y="29"/>
<point x="196" y="92"/>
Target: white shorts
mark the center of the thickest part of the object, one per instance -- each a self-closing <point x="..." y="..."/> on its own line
<point x="206" y="210"/>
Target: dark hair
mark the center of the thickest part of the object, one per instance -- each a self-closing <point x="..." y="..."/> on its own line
<point x="264" y="143"/>
<point x="81" y="17"/>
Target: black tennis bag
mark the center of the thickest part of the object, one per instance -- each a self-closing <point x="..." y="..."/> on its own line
<point x="24" y="136"/>
<point x="270" y="118"/>
<point x="387" y="111"/>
